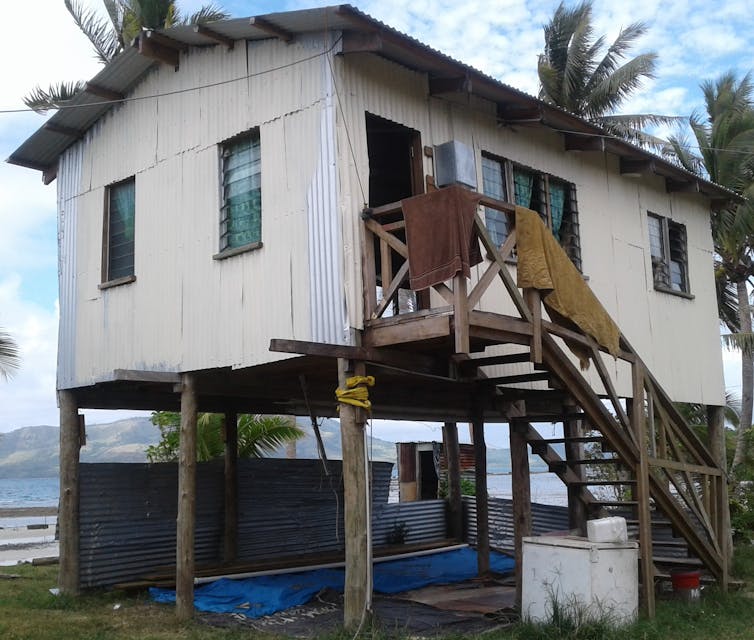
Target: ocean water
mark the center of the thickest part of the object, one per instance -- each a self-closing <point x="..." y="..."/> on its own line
<point x="29" y="492"/>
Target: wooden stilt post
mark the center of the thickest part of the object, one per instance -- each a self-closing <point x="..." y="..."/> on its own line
<point x="575" y="451"/>
<point x="184" y="570"/>
<point x="455" y="504"/>
<point x="358" y="586"/>
<point x="716" y="434"/>
<point x="521" y="490"/>
<point x="639" y="426"/>
<point x="482" y="507"/>
<point x="230" y="531"/>
<point x="68" y="510"/>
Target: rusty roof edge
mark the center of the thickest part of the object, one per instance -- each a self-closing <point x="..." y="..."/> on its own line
<point x="550" y="114"/>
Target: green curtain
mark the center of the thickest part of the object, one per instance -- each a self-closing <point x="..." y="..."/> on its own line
<point x="557" y="201"/>
<point x="121" y="230"/>
<point x="523" y="182"/>
<point x="242" y="192"/>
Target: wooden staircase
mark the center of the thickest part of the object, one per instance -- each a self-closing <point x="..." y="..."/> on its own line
<point x="677" y="492"/>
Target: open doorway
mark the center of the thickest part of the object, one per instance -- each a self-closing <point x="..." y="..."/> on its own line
<point x="395" y="172"/>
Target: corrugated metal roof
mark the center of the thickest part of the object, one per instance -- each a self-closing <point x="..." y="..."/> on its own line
<point x="41" y="150"/>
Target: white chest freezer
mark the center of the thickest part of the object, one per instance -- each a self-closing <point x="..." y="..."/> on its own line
<point x="601" y="579"/>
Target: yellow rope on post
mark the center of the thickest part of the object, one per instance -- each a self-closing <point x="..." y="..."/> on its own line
<point x="356" y="392"/>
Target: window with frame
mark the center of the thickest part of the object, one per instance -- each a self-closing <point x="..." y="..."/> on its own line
<point x="668" y="248"/>
<point x="120" y="217"/>
<point x="241" y="209"/>
<point x="554" y="199"/>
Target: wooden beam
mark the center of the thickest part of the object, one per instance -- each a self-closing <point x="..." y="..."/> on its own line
<point x="716" y="435"/>
<point x="643" y="491"/>
<point x="518" y="114"/>
<point x="49" y="174"/>
<point x="68" y="509"/>
<point x="481" y="498"/>
<point x="574" y="450"/>
<point x="63" y="131"/>
<point x="358" y="586"/>
<point x="399" y="333"/>
<point x="524" y="377"/>
<point x="205" y="31"/>
<point x="633" y="168"/>
<point x="134" y="375"/>
<point x="230" y="513"/>
<point x="165" y="41"/>
<point x="460" y="314"/>
<point x="575" y="142"/>
<point x="452" y="457"/>
<point x="104" y="93"/>
<point x="456" y="84"/>
<point x="521" y="492"/>
<point x="390" y="357"/>
<point x="682" y="186"/>
<point x="155" y="51"/>
<point x="271" y="29"/>
<point x="488" y="361"/>
<point x="186" y="522"/>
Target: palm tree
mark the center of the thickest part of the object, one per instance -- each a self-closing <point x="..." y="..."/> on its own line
<point x="573" y="77"/>
<point x="108" y="37"/>
<point x="726" y="155"/>
<point x="258" y="436"/>
<point x="9" y="357"/>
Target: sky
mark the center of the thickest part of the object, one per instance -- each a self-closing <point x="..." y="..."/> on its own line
<point x="695" y="41"/>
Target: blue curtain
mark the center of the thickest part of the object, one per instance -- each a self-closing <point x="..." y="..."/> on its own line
<point x="557" y="200"/>
<point x="522" y="186"/>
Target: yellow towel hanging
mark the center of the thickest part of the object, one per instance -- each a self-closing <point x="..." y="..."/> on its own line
<point x="356" y="392"/>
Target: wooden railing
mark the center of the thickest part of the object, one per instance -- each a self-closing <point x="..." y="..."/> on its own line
<point x="674" y="471"/>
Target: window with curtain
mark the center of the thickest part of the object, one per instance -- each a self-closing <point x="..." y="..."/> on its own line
<point x="120" y="219"/>
<point x="241" y="212"/>
<point x="493" y="185"/>
<point x="554" y="199"/>
<point x="669" y="254"/>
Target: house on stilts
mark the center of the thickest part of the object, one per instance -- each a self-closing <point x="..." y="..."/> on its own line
<point x="314" y="196"/>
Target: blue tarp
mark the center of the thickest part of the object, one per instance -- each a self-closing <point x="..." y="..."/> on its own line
<point x="263" y="595"/>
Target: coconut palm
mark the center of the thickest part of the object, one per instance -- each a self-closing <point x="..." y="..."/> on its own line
<point x="258" y="436"/>
<point x="109" y="36"/>
<point x="725" y="140"/>
<point x="9" y="357"/>
<point x="572" y="75"/>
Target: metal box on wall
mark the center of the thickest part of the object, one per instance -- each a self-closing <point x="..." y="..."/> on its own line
<point x="454" y="164"/>
<point x="600" y="579"/>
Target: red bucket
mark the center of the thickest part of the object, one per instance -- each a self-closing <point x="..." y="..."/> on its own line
<point x="685" y="580"/>
<point x="686" y="585"/>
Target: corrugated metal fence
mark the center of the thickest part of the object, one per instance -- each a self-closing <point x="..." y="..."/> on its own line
<point x="545" y="518"/>
<point x="286" y="507"/>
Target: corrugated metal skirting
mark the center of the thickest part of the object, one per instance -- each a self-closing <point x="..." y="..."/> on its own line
<point x="545" y="518"/>
<point x="286" y="507"/>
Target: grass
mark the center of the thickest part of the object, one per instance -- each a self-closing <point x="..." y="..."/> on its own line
<point x="28" y="611"/>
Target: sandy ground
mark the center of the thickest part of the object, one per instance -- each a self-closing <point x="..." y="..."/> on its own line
<point x="19" y="543"/>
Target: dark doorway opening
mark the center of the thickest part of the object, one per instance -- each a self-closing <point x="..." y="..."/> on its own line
<point x="428" y="479"/>
<point x="395" y="172"/>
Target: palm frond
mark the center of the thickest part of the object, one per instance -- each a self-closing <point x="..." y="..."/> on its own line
<point x="10" y="357"/>
<point x="56" y="95"/>
<point x="260" y="435"/>
<point x="743" y="342"/>
<point x="207" y="13"/>
<point x="608" y="94"/>
<point x="98" y="31"/>
<point x="616" y="52"/>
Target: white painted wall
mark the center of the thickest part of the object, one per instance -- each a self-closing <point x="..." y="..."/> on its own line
<point x="677" y="338"/>
<point x="187" y="311"/>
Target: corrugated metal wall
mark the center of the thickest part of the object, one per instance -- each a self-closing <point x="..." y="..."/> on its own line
<point x="69" y="186"/>
<point x="545" y="518"/>
<point x="612" y="214"/>
<point x="327" y="306"/>
<point x="286" y="507"/>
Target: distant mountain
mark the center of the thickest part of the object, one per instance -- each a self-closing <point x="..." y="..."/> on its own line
<point x="32" y="452"/>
